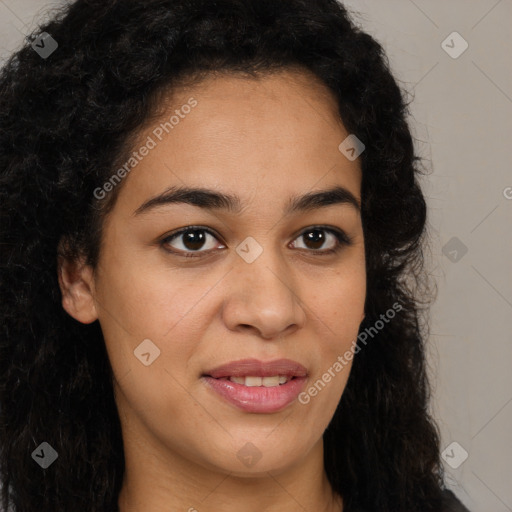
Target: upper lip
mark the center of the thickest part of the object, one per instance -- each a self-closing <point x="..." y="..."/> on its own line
<point x="257" y="368"/>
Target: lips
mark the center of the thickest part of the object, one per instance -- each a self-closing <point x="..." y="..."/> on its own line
<point x="257" y="368"/>
<point x="253" y="396"/>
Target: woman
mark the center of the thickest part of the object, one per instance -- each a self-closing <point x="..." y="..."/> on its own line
<point x="211" y="221"/>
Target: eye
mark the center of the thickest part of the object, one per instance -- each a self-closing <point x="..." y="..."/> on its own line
<point x="315" y="238"/>
<point x="192" y="238"/>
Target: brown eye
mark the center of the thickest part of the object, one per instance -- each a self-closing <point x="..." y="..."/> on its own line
<point x="194" y="240"/>
<point x="198" y="241"/>
<point x="316" y="237"/>
<point x="191" y="239"/>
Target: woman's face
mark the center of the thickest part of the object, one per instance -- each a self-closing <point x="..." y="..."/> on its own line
<point x="255" y="281"/>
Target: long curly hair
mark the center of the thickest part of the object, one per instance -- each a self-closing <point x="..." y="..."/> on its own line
<point x="68" y="120"/>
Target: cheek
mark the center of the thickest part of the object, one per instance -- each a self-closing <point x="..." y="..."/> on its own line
<point x="150" y="301"/>
<point x="338" y="302"/>
<point x="338" y="308"/>
<point x="137" y="306"/>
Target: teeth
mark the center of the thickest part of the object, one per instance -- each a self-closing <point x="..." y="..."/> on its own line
<point x="270" y="381"/>
<point x="253" y="381"/>
<point x="267" y="382"/>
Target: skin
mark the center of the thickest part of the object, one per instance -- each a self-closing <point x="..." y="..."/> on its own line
<point x="264" y="140"/>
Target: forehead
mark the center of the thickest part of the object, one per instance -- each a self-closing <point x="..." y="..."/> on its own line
<point x="279" y="132"/>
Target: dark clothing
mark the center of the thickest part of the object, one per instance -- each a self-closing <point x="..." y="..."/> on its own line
<point x="452" y="504"/>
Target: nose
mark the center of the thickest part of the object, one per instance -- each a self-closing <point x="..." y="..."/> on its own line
<point x="263" y="298"/>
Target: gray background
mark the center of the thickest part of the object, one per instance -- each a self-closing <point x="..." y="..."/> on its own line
<point x="462" y="122"/>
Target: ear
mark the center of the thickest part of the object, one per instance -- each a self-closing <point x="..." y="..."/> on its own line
<point x="77" y="287"/>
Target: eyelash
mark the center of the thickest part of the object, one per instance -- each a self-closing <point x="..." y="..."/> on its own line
<point x="341" y="237"/>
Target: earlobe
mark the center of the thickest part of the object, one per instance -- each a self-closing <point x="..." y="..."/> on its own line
<point x="77" y="287"/>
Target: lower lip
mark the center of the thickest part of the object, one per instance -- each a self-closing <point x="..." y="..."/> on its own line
<point x="258" y="399"/>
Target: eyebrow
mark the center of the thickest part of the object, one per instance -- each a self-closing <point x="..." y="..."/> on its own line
<point x="214" y="200"/>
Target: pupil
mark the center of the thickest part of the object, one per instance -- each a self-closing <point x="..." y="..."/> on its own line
<point x="316" y="237"/>
<point x="194" y="239"/>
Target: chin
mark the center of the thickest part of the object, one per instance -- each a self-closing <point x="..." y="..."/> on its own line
<point x="265" y="453"/>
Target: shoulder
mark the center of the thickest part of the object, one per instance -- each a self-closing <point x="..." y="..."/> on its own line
<point x="451" y="503"/>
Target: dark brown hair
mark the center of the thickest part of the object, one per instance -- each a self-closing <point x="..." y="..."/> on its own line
<point x="67" y="120"/>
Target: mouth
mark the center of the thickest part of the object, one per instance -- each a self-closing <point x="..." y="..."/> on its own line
<point x="257" y="386"/>
<point x="255" y="381"/>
